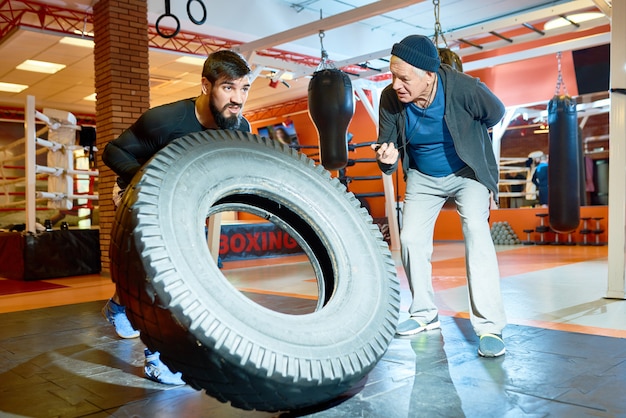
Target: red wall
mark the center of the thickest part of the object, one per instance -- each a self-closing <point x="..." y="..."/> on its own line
<point x="533" y="81"/>
<point x="448" y="226"/>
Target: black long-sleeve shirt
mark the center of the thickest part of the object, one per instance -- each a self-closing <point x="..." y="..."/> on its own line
<point x="152" y="131"/>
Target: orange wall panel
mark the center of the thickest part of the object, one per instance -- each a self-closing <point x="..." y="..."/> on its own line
<point x="448" y="226"/>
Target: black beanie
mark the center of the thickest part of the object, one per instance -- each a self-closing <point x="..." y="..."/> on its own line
<point x="419" y="51"/>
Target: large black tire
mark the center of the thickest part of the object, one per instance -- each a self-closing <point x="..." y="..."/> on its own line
<point x="221" y="341"/>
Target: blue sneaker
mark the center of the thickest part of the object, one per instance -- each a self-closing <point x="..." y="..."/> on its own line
<point x="414" y="326"/>
<point x="158" y="372"/>
<point x="491" y="345"/>
<point x="116" y="315"/>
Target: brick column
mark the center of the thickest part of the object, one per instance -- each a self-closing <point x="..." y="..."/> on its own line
<point x="122" y="88"/>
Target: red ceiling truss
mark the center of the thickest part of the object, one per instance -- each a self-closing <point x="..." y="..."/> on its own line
<point x="30" y="14"/>
<point x="35" y="15"/>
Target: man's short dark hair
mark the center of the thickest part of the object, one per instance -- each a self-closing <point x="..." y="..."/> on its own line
<point x="225" y="63"/>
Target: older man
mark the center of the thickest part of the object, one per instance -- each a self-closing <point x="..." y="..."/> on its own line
<point x="435" y="120"/>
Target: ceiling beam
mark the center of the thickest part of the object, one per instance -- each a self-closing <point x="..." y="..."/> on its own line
<point x="484" y="27"/>
<point x="571" y="45"/>
<point x="547" y="37"/>
<point x="605" y="7"/>
<point x="332" y="22"/>
<point x="518" y="19"/>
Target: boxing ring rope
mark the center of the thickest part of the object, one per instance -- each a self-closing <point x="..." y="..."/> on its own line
<point x="391" y="205"/>
<point x="516" y="165"/>
<point x="60" y="170"/>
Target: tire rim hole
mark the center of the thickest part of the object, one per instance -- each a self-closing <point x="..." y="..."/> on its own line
<point x="299" y="285"/>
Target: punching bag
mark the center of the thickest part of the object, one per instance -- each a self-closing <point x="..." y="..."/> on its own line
<point x="563" y="165"/>
<point x="447" y="56"/>
<point x="331" y="108"/>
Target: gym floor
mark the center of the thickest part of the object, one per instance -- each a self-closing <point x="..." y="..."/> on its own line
<point x="566" y="346"/>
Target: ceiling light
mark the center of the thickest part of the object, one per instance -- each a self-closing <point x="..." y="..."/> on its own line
<point x="287" y="75"/>
<point x="90" y="98"/>
<point x="83" y="33"/>
<point x="191" y="60"/>
<point x="560" y="22"/>
<point x="83" y="42"/>
<point x="40" y="66"/>
<point x="12" y="88"/>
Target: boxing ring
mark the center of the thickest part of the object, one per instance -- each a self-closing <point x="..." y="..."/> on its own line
<point x="39" y="176"/>
<point x="59" y="184"/>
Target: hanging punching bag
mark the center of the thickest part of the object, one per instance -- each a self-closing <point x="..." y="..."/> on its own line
<point x="331" y="108"/>
<point x="563" y="165"/>
<point x="447" y="56"/>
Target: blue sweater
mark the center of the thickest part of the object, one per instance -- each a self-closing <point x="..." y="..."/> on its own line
<point x="470" y="110"/>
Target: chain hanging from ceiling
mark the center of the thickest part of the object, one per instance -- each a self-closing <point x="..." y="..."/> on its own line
<point x="325" y="63"/>
<point x="561" y="88"/>
<point x="446" y="55"/>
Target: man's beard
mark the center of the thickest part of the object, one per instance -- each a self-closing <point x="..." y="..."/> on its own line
<point x="223" y="122"/>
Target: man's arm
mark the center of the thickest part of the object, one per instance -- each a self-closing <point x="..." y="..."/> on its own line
<point x="387" y="130"/>
<point x="492" y="107"/>
<point x="128" y="152"/>
<point x="153" y="130"/>
<point x="119" y="157"/>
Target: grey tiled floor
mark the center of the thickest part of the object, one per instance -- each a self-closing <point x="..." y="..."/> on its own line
<point x="66" y="362"/>
<point x="566" y="353"/>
